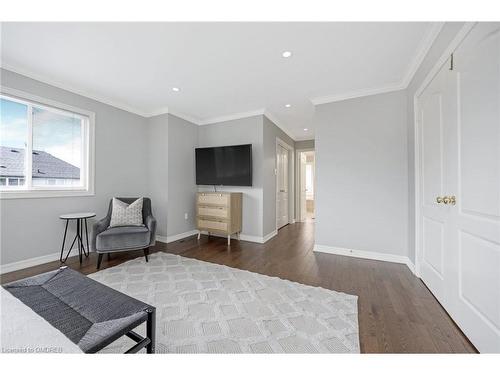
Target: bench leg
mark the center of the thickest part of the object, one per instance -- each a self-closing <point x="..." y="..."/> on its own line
<point x="99" y="260"/>
<point x="150" y="331"/>
<point x="146" y="253"/>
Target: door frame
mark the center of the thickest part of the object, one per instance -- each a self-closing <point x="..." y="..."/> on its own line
<point x="455" y="43"/>
<point x="291" y="178"/>
<point x="297" y="179"/>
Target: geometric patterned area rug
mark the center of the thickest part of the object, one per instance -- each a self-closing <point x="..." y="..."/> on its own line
<point x="204" y="307"/>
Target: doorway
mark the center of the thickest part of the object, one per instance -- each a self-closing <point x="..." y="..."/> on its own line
<point x="282" y="187"/>
<point x="306" y="188"/>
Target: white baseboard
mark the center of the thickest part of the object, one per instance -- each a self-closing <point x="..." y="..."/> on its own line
<point x="14" y="266"/>
<point x="258" y="239"/>
<point x="411" y="266"/>
<point x="268" y="236"/>
<point x="176" y="237"/>
<point x="247" y="237"/>
<point x="366" y="255"/>
<point x="10" y="267"/>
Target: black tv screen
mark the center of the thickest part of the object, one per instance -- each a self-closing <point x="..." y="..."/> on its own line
<point x="227" y="165"/>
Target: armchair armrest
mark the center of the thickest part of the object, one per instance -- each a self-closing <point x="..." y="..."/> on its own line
<point x="98" y="227"/>
<point x="150" y="223"/>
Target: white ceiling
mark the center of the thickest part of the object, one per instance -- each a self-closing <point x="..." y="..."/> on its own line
<point x="223" y="70"/>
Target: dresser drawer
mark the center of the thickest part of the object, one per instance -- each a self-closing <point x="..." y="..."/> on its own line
<point x="213" y="211"/>
<point x="212" y="225"/>
<point x="215" y="198"/>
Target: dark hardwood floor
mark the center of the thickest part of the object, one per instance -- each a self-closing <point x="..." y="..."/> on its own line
<point x="397" y="313"/>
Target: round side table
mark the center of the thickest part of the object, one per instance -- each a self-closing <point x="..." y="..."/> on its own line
<point x="81" y="218"/>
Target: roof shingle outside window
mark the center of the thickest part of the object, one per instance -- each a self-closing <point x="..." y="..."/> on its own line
<point x="45" y="165"/>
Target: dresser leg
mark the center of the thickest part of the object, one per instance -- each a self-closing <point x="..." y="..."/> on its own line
<point x="199" y="234"/>
<point x="228" y="239"/>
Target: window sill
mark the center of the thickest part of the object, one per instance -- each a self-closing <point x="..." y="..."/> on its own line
<point x="22" y="194"/>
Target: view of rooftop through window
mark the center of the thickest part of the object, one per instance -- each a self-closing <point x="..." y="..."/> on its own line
<point x="56" y="145"/>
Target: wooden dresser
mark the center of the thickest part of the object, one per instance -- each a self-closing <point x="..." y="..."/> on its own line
<point x="219" y="213"/>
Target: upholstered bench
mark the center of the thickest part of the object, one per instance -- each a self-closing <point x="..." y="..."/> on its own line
<point x="89" y="314"/>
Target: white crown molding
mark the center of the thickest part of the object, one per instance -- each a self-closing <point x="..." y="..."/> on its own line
<point x="233" y="116"/>
<point x="422" y="51"/>
<point x="189" y="118"/>
<point x="63" y="86"/>
<point x="276" y="122"/>
<point x="304" y="138"/>
<point x="166" y="110"/>
<point x="158" y="112"/>
<point x="356" y="94"/>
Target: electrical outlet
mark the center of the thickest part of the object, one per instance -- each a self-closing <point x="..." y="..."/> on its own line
<point x="185" y="216"/>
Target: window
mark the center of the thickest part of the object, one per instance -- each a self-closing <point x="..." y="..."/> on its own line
<point x="46" y="148"/>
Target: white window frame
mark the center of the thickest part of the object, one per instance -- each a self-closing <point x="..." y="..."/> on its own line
<point x="87" y="171"/>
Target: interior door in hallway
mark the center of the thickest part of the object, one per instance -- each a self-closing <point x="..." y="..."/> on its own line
<point x="302" y="187"/>
<point x="281" y="186"/>
<point x="475" y="173"/>
<point x="436" y="117"/>
<point x="459" y="252"/>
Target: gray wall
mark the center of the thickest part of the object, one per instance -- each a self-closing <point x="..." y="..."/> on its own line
<point x="234" y="132"/>
<point x="182" y="140"/>
<point x="270" y="133"/>
<point x="447" y="34"/>
<point x="31" y="227"/>
<point x="304" y="144"/>
<point x="157" y="131"/>
<point x="361" y="170"/>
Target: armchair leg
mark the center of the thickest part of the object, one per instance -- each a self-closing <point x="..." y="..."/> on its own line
<point x="99" y="260"/>
<point x="146" y="253"/>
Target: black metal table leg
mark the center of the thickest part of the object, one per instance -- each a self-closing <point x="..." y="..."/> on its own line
<point x="87" y="236"/>
<point x="70" y="248"/>
<point x="150" y="330"/>
<point x="78" y="231"/>
<point x="82" y="250"/>
<point x="64" y="240"/>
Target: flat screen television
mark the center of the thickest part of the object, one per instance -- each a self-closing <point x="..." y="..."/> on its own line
<point x="227" y="165"/>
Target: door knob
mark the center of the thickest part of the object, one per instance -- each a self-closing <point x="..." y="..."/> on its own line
<point x="447" y="200"/>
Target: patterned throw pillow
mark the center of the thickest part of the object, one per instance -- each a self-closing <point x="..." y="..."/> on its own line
<point x="123" y="214"/>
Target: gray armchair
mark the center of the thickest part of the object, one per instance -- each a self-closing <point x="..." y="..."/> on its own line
<point x="107" y="240"/>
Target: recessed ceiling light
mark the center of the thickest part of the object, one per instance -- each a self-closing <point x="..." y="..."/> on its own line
<point x="305" y="129"/>
<point x="286" y="54"/>
<point x="288" y="105"/>
<point x="176" y="89"/>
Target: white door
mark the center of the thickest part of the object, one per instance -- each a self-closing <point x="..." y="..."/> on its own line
<point x="303" y="189"/>
<point x="435" y="117"/>
<point x="476" y="175"/>
<point x="459" y="256"/>
<point x="282" y="186"/>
